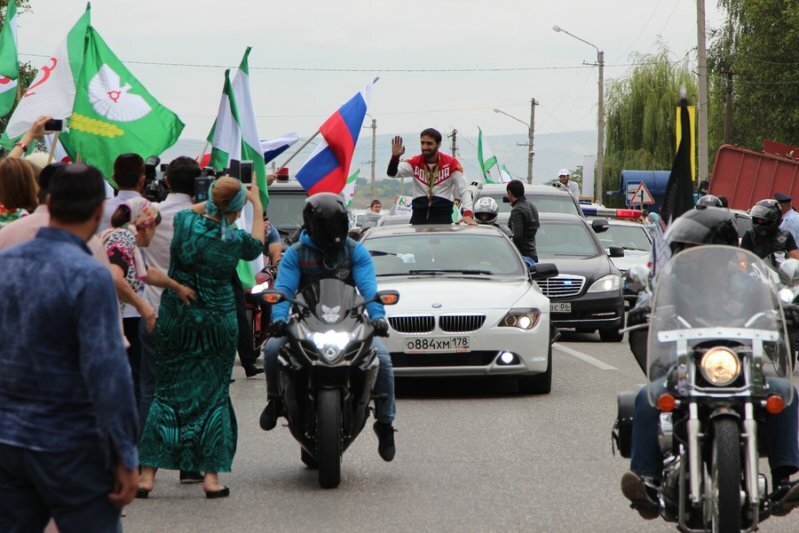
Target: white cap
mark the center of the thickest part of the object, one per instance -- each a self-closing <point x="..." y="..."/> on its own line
<point x="564" y="172"/>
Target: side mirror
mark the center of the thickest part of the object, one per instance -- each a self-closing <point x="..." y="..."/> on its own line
<point x="789" y="272"/>
<point x="387" y="297"/>
<point x="615" y="251"/>
<point x="543" y="271"/>
<point x="637" y="278"/>
<point x="599" y="225"/>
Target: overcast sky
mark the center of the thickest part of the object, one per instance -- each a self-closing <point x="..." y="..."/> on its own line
<point x="361" y="39"/>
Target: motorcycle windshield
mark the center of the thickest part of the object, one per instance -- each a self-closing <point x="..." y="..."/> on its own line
<point x="330" y="301"/>
<point x="710" y="296"/>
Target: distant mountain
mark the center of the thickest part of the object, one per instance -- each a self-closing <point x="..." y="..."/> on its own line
<point x="553" y="151"/>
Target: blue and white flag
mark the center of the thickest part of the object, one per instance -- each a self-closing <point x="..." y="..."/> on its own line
<point x="274" y="147"/>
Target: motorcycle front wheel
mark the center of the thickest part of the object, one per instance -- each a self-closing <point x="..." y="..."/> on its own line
<point x="726" y="477"/>
<point x="328" y="437"/>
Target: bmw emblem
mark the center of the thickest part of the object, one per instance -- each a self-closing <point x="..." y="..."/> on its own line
<point x="436" y="306"/>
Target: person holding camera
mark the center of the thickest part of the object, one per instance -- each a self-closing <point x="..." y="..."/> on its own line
<point x="129" y="175"/>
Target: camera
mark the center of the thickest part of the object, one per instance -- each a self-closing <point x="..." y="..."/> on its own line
<point x="54" y="124"/>
<point x="245" y="173"/>
<point x="155" y="189"/>
<point x="201" y="185"/>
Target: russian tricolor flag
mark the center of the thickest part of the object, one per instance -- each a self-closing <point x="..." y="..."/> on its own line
<point x="327" y="168"/>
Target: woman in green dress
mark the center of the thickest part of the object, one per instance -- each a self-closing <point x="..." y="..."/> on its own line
<point x="191" y="425"/>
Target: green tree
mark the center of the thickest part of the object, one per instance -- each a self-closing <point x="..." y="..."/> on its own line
<point x="753" y="75"/>
<point x="641" y="116"/>
<point x="26" y="71"/>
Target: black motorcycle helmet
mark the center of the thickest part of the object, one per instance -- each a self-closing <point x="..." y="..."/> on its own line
<point x="709" y="225"/>
<point x="326" y="221"/>
<point x="766" y="217"/>
<point x="708" y="200"/>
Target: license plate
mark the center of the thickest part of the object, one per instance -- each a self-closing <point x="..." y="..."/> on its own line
<point x="560" y="307"/>
<point x="437" y="344"/>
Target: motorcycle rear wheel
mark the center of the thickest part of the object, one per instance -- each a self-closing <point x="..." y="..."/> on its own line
<point x="725" y="474"/>
<point x="328" y="437"/>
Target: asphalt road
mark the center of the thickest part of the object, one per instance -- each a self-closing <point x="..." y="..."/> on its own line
<point x="471" y="456"/>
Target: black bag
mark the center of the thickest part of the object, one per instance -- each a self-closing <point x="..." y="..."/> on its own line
<point x="622" y="434"/>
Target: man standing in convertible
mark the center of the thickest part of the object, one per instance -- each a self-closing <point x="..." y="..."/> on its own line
<point x="437" y="180"/>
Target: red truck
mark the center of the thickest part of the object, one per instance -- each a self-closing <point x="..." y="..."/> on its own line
<point x="745" y="176"/>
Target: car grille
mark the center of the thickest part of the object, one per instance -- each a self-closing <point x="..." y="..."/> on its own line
<point x="562" y="286"/>
<point x="412" y="324"/>
<point x="460" y="323"/>
<point x="477" y="358"/>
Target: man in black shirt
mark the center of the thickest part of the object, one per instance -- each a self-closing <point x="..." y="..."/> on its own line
<point x="766" y="240"/>
<point x="523" y="220"/>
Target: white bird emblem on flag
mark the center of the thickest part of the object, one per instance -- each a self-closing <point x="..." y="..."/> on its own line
<point x="111" y="100"/>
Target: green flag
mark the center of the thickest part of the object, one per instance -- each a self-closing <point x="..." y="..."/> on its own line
<point x="113" y="113"/>
<point x="486" y="157"/>
<point x="234" y="135"/>
<point x="9" y="62"/>
<point x="349" y="188"/>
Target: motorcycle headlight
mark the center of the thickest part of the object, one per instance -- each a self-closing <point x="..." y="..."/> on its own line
<point x="330" y="343"/>
<point x="521" y="318"/>
<point x="608" y="283"/>
<point x="720" y="366"/>
<point x="261" y="287"/>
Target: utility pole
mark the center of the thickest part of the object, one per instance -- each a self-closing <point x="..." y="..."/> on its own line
<point x="600" y="156"/>
<point x="374" y="134"/>
<point x="530" y="137"/>
<point x="454" y="137"/>
<point x="701" y="105"/>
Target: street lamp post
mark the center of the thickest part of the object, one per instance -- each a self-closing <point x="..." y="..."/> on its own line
<point x="600" y="141"/>
<point x="373" y="127"/>
<point x="530" y="136"/>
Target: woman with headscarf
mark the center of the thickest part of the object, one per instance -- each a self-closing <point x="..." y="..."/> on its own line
<point x="191" y="425"/>
<point x="133" y="225"/>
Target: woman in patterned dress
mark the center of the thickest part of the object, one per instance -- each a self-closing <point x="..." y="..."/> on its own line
<point x="191" y="425"/>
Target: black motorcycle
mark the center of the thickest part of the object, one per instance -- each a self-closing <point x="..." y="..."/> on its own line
<point x="328" y="370"/>
<point x="714" y="364"/>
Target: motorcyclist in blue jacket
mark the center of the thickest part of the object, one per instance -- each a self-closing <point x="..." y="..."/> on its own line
<point x="325" y="251"/>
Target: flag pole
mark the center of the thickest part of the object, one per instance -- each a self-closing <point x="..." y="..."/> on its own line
<point x="52" y="147"/>
<point x="306" y="143"/>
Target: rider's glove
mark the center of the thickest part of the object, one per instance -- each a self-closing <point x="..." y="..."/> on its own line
<point x="276" y="329"/>
<point x="791" y="312"/>
<point x="638" y="315"/>
<point x="381" y="327"/>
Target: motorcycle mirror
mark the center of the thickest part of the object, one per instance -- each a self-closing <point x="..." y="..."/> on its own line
<point x="789" y="272"/>
<point x="387" y="297"/>
<point x="637" y="278"/>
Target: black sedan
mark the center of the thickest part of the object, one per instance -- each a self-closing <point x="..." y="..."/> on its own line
<point x="586" y="295"/>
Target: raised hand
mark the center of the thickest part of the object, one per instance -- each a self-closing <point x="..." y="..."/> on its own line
<point x="397" y="148"/>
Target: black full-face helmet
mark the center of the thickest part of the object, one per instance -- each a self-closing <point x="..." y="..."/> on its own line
<point x="710" y="225"/>
<point x="708" y="200"/>
<point x="766" y="217"/>
<point x="326" y="221"/>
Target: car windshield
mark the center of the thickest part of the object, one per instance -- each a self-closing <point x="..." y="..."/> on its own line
<point x="558" y="239"/>
<point x="545" y="203"/>
<point x="285" y="210"/>
<point x="628" y="237"/>
<point x="444" y="253"/>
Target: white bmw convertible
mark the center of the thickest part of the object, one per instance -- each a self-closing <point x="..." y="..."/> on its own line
<point x="468" y="305"/>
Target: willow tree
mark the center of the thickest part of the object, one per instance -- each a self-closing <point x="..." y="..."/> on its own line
<point x="640" y="113"/>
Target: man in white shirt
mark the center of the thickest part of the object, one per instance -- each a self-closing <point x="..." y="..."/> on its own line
<point x="565" y="180"/>
<point x="790" y="218"/>
<point x="129" y="175"/>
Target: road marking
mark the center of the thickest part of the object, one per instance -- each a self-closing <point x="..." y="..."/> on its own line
<point x="584" y="357"/>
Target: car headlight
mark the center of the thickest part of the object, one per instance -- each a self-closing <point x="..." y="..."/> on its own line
<point x="608" y="283"/>
<point x="521" y="318"/>
<point x="330" y="343"/>
<point x="720" y="366"/>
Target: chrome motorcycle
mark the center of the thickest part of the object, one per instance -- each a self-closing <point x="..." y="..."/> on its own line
<point x="716" y="355"/>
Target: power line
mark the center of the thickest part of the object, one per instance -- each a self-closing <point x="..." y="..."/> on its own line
<point x="371" y="70"/>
